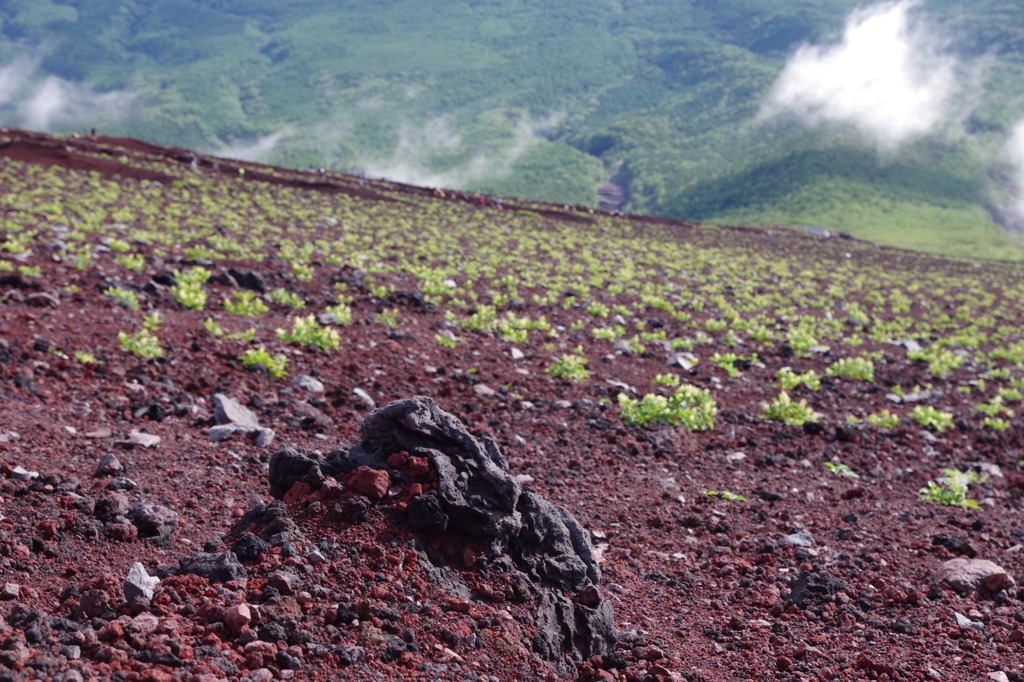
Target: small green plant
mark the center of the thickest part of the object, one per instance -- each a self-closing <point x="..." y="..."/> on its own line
<point x="216" y="330"/>
<point x="213" y="328"/>
<point x="126" y="296"/>
<point x="840" y="469"/>
<point x="513" y="335"/>
<point x="790" y="412"/>
<point x="142" y="344"/>
<point x="884" y="419"/>
<point x="572" y="368"/>
<point x="275" y="364"/>
<point x="30" y="270"/>
<point x="690" y="406"/>
<point x="447" y="340"/>
<point x="388" y="316"/>
<point x="952" y="488"/>
<point x="726" y="361"/>
<point x="245" y="304"/>
<point x="788" y="379"/>
<point x="119" y="245"/>
<point x="190" y="295"/>
<point x="996" y="423"/>
<point x="303" y="272"/>
<point x="188" y="290"/>
<point x="341" y="313"/>
<point x="85" y="357"/>
<point x="131" y="261"/>
<point x="725" y="495"/>
<point x="929" y="417"/>
<point x="309" y="332"/>
<point x="859" y="368"/>
<point x="994" y="407"/>
<point x="941" y="361"/>
<point x="1010" y="394"/>
<point x="152" y="321"/>
<point x="286" y="298"/>
<point x="666" y="380"/>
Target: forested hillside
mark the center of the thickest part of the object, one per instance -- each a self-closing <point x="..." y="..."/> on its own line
<point x="720" y="111"/>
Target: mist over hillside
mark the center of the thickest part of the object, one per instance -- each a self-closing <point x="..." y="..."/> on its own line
<point x="895" y="121"/>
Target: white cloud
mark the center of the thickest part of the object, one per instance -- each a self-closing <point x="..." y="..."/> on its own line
<point x="888" y="78"/>
<point x="1014" y="152"/>
<point x="14" y="78"/>
<point x="410" y="162"/>
<point x="253" y="150"/>
<point x="30" y="99"/>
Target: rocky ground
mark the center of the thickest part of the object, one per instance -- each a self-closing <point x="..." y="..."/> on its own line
<point x="183" y="517"/>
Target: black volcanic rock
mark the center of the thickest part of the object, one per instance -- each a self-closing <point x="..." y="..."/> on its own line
<point x="477" y="495"/>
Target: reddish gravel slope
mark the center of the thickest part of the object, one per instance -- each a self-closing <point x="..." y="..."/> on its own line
<point x="812" y="575"/>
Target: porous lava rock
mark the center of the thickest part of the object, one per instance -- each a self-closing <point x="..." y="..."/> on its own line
<point x="474" y="494"/>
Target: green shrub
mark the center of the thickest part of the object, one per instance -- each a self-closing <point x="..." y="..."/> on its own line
<point x="928" y="416"/>
<point x="952" y="488"/>
<point x="788" y="379"/>
<point x="571" y="367"/>
<point x="309" y="332"/>
<point x="861" y="369"/>
<point x="127" y="296"/>
<point x="786" y="410"/>
<point x="245" y="304"/>
<point x="840" y="469"/>
<point x="941" y="361"/>
<point x="275" y="364"/>
<point x="689" y="406"/>
<point x="142" y="344"/>
<point x="883" y="419"/>
<point x="286" y="298"/>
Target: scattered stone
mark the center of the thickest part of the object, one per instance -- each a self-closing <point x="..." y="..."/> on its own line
<point x="146" y="440"/>
<point x="965" y="622"/>
<point x="373" y="483"/>
<point x="248" y="280"/>
<point x="138" y="583"/>
<point x="102" y="432"/>
<point x="685" y="360"/>
<point x="622" y="347"/>
<point x="364" y="398"/>
<point x="288" y="466"/>
<point x="426" y="515"/>
<point x="263" y="436"/>
<point x="517" y="354"/>
<point x="20" y="473"/>
<point x="229" y="411"/>
<point x="219" y="567"/>
<point x="956" y="544"/>
<point x="308" y="383"/>
<point x="42" y="299"/>
<point x="10" y="591"/>
<point x="484" y="391"/>
<point x="154" y="520"/>
<point x="798" y="539"/>
<point x="249" y="547"/>
<point x="110" y="465"/>
<point x="814" y="588"/>
<point x="621" y="385"/>
<point x="238" y="617"/>
<point x="998" y="676"/>
<point x="969" y="575"/>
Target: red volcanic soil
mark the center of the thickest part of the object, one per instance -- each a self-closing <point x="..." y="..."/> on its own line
<point x="812" y="576"/>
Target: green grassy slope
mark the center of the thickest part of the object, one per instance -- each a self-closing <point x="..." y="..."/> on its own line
<point x="520" y="98"/>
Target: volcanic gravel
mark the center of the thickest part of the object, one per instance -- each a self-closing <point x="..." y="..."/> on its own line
<point x="812" y="576"/>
